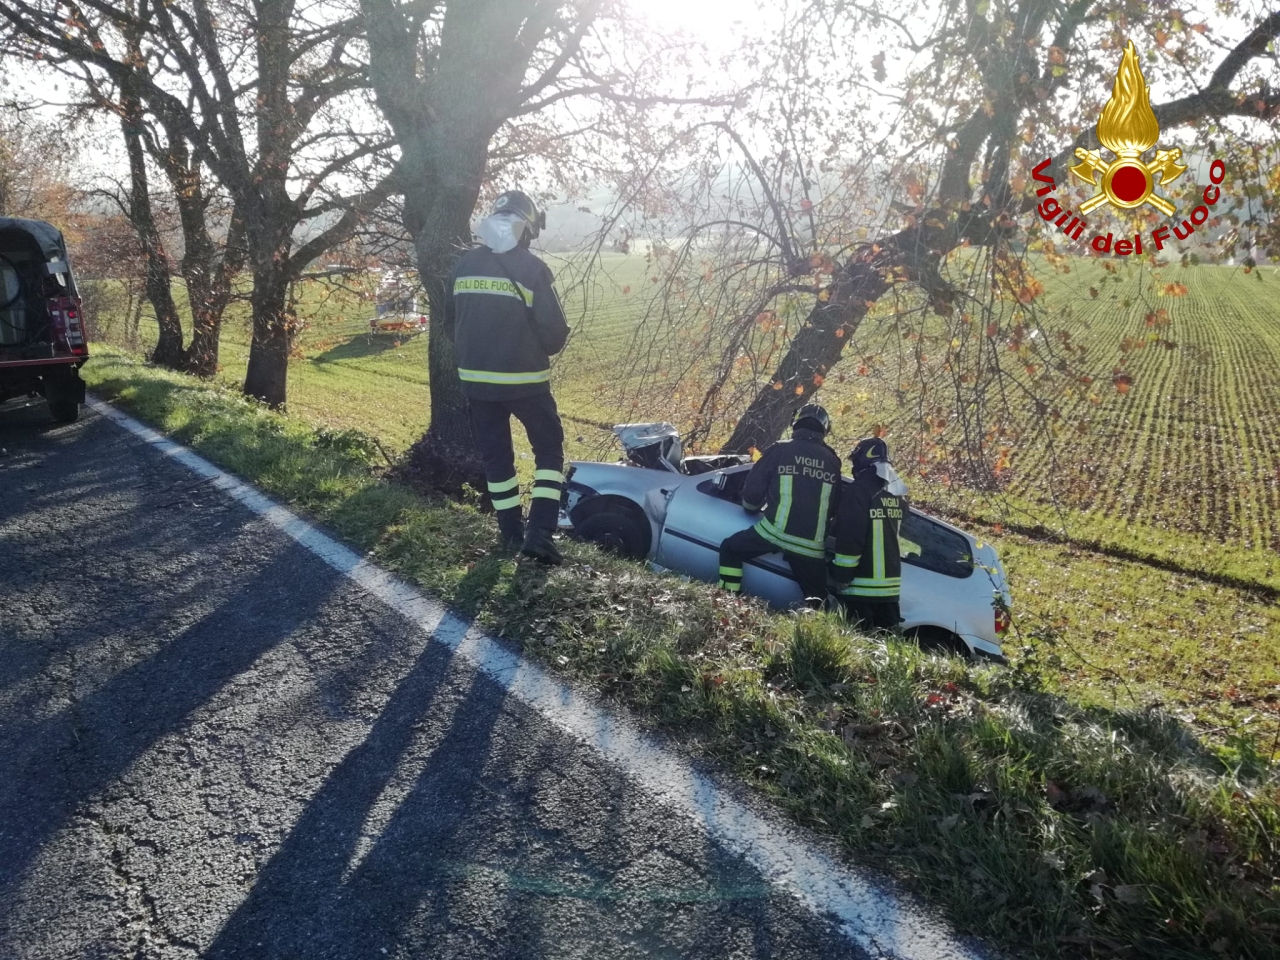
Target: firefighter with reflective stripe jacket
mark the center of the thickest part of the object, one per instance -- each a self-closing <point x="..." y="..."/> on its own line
<point x="867" y="564"/>
<point x="506" y="322"/>
<point x="797" y="486"/>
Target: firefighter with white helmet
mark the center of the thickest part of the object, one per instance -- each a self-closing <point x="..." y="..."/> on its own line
<point x="506" y="322"/>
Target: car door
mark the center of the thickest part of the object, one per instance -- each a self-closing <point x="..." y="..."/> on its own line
<point x="936" y="569"/>
<point x="702" y="512"/>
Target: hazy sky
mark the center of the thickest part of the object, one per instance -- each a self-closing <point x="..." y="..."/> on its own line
<point x="705" y="19"/>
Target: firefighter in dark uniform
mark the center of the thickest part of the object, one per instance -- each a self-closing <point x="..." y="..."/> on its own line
<point x="506" y="322"/>
<point x="867" y="564"/>
<point x="797" y="486"/>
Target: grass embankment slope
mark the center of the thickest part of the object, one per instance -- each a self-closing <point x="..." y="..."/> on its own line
<point x="1059" y="829"/>
<point x="1138" y="553"/>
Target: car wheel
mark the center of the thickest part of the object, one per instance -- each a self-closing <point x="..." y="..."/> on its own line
<point x="62" y="393"/>
<point x="615" y="532"/>
<point x="937" y="640"/>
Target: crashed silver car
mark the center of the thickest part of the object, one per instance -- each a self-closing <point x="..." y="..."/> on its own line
<point x="675" y="510"/>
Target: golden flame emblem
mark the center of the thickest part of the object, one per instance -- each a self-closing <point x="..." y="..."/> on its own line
<point x="1128" y="128"/>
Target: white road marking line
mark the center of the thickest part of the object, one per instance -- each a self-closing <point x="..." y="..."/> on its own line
<point x="875" y="918"/>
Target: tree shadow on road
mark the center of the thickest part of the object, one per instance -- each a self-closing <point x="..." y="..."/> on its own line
<point x="464" y="825"/>
<point x="317" y="894"/>
<point x="96" y="737"/>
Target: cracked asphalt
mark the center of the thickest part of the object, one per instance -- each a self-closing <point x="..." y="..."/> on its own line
<point x="212" y="744"/>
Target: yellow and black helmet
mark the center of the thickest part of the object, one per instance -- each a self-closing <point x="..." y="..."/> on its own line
<point x="868" y="453"/>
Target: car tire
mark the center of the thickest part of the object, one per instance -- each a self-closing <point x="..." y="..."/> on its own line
<point x="938" y="640"/>
<point x="63" y="395"/>
<point x="615" y="531"/>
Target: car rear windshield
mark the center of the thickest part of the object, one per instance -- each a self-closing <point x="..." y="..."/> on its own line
<point x="941" y="550"/>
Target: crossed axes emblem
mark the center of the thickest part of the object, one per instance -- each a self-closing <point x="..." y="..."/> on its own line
<point x="1128" y="182"/>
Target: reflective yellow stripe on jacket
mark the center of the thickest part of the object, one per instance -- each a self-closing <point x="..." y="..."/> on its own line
<point x="498" y="286"/>
<point x="888" y="589"/>
<point x="877" y="585"/>
<point x="790" y="544"/>
<point x="487" y="376"/>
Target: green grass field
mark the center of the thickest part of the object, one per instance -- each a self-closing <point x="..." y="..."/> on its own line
<point x="1160" y="581"/>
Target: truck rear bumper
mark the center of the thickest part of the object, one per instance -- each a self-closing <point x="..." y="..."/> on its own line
<point x="44" y="362"/>
<point x="21" y="377"/>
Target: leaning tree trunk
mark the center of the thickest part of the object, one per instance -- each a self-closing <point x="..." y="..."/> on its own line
<point x="854" y="290"/>
<point x="814" y="350"/>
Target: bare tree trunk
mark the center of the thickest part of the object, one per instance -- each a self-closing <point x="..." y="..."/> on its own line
<point x="208" y="300"/>
<point x="134" y="320"/>
<point x="446" y="230"/>
<point x="168" y="351"/>
<point x="445" y="122"/>
<point x="270" y="219"/>
<point x="207" y="274"/>
<point x="438" y="206"/>
<point x="209" y="283"/>
<point x="267" y="376"/>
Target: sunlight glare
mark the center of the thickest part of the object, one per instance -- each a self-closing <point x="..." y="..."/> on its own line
<point x="700" y="19"/>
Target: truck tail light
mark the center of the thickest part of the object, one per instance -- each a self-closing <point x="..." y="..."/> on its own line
<point x="67" y="325"/>
<point x="75" y="331"/>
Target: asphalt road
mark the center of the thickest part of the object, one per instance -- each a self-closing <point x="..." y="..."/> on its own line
<point x="213" y="744"/>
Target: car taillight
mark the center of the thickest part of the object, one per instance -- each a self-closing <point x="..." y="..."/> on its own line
<point x="75" y="331"/>
<point x="1003" y="620"/>
<point x="67" y="325"/>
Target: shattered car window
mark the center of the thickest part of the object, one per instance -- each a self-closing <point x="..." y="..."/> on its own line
<point x="932" y="546"/>
<point x="732" y="486"/>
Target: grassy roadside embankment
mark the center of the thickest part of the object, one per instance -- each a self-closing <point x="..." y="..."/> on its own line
<point x="1150" y="561"/>
<point x="1061" y="829"/>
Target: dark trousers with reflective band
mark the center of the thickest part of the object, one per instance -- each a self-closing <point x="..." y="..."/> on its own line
<point x="810" y="572"/>
<point x="491" y="421"/>
<point x="878" y="613"/>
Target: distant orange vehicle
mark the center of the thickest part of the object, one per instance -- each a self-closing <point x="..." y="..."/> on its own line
<point x="397" y="307"/>
<point x="42" y="338"/>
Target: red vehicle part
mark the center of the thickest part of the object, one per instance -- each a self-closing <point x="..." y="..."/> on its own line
<point x="42" y="336"/>
<point x="67" y="326"/>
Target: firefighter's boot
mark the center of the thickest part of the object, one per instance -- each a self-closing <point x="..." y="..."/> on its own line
<point x="539" y="545"/>
<point x="511" y="529"/>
